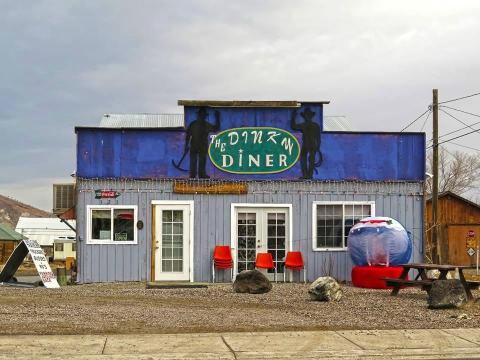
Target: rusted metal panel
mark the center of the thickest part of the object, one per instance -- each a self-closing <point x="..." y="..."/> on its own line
<point x="186" y="187"/>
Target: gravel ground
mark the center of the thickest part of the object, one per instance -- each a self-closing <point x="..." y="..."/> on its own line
<point x="130" y="308"/>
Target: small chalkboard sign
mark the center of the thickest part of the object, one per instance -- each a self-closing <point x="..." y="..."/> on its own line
<point x="121" y="236"/>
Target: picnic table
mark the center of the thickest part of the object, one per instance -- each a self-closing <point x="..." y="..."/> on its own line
<point x="422" y="279"/>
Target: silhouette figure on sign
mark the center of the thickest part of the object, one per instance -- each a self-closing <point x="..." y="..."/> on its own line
<point x="196" y="142"/>
<point x="310" y="142"/>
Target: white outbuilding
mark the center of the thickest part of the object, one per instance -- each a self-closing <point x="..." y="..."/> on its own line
<point x="44" y="231"/>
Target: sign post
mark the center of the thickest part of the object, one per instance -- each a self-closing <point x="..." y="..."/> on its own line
<point x="472" y="245"/>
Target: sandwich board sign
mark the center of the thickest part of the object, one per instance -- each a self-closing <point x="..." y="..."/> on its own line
<point x="24" y="248"/>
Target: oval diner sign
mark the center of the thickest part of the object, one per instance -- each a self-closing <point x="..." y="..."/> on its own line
<point x="254" y="150"/>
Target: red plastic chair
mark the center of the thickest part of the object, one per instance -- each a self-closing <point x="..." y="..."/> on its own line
<point x="294" y="261"/>
<point x="222" y="259"/>
<point x="265" y="261"/>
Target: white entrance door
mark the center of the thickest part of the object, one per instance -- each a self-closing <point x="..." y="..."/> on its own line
<point x="172" y="242"/>
<point x="261" y="230"/>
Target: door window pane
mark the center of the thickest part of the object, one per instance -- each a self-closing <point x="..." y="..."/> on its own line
<point x="276" y="239"/>
<point x="246" y="240"/>
<point x="172" y="241"/>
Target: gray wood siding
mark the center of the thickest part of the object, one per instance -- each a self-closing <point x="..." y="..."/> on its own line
<point x="108" y="263"/>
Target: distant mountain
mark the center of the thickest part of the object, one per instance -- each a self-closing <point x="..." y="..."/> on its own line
<point x="11" y="210"/>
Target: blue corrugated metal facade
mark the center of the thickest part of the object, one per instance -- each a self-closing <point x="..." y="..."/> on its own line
<point x="386" y="169"/>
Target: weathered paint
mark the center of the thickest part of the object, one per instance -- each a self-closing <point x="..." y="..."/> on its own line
<point x="402" y="201"/>
<point x="232" y="117"/>
<point x="142" y="154"/>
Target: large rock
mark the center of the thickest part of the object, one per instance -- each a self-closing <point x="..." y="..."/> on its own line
<point x="446" y="294"/>
<point x="325" y="288"/>
<point x="252" y="282"/>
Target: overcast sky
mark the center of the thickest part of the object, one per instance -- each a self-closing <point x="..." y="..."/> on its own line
<point x="65" y="63"/>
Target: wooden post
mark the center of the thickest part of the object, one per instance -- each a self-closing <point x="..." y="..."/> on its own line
<point x="436" y="253"/>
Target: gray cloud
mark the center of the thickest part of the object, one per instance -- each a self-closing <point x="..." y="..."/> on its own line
<point x="65" y="63"/>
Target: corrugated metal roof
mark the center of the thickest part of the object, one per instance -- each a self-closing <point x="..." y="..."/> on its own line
<point x="336" y="123"/>
<point x="248" y="103"/>
<point x="43" y="230"/>
<point x="330" y="123"/>
<point x="142" y="121"/>
<point x="8" y="234"/>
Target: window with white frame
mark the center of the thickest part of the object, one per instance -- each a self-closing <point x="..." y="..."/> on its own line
<point x="112" y="224"/>
<point x="332" y="222"/>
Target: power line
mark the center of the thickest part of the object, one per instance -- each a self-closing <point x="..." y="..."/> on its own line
<point x="460" y="98"/>
<point x="455" y="131"/>
<point x="464" y="146"/>
<point x="462" y="111"/>
<point x="415" y="120"/>
<point x="425" y="122"/>
<point x="454" y="138"/>
<point x="460" y="121"/>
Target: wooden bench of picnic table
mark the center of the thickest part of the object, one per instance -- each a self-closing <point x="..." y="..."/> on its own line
<point x="423" y="281"/>
<point x="424" y="284"/>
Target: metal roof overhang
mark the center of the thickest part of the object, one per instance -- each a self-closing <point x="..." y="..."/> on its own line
<point x="248" y="103"/>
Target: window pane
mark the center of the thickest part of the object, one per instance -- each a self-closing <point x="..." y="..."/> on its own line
<point x="177" y="253"/>
<point x="280" y="218"/>
<point x="242" y="230"/>
<point x="329" y="226"/>
<point x="123" y="224"/>
<point x="348" y="210"/>
<point x="177" y="241"/>
<point x="167" y="265"/>
<point x="166" y="215"/>
<point x="177" y="216"/>
<point x="101" y="224"/>
<point x="242" y="266"/>
<point x="242" y="242"/>
<point x="166" y="253"/>
<point x="272" y="243"/>
<point x="167" y="229"/>
<point x="177" y="265"/>
<point x="272" y="230"/>
<point x="178" y="228"/>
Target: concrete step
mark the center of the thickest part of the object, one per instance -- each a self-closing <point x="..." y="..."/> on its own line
<point x="175" y="285"/>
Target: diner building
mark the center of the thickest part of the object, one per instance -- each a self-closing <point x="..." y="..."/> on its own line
<point x="152" y="202"/>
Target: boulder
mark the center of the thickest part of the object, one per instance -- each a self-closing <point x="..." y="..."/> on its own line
<point x="252" y="282"/>
<point x="325" y="288"/>
<point x="446" y="294"/>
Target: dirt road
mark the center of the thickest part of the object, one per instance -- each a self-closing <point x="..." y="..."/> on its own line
<point x="130" y="308"/>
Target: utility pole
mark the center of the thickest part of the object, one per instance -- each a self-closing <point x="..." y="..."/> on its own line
<point x="435" y="245"/>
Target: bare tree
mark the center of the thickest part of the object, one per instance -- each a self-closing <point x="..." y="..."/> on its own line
<point x="458" y="171"/>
